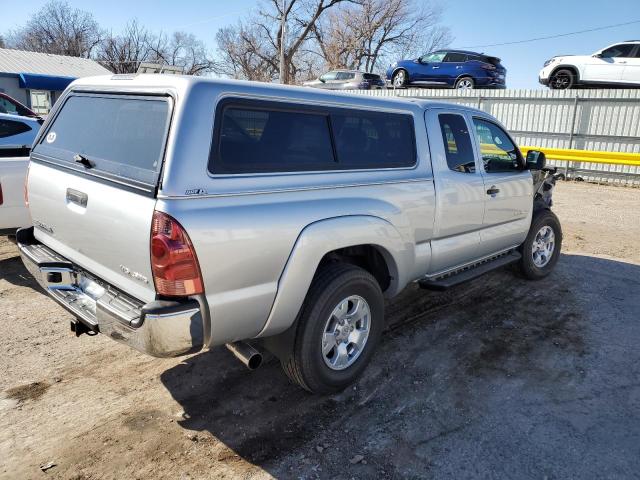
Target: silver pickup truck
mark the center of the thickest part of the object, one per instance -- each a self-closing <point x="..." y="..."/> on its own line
<point x="175" y="214"/>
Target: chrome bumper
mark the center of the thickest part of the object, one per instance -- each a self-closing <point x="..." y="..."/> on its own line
<point x="161" y="328"/>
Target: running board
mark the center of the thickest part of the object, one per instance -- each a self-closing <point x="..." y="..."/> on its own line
<point x="456" y="278"/>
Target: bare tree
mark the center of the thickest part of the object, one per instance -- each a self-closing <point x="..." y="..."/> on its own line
<point x="123" y="53"/>
<point x="57" y="28"/>
<point x="183" y="50"/>
<point x="245" y="54"/>
<point x="365" y="35"/>
<point x="2" y="44"/>
<point x="256" y="43"/>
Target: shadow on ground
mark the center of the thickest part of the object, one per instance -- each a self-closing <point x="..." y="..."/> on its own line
<point x="13" y="271"/>
<point x="483" y="380"/>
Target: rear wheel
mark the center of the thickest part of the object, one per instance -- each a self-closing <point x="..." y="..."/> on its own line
<point x="400" y="79"/>
<point x="338" y="329"/>
<point x="465" y="83"/>
<point x="541" y="249"/>
<point x="563" y="79"/>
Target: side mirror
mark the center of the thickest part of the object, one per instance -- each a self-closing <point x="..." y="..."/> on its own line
<point x="536" y="160"/>
<point x="322" y="79"/>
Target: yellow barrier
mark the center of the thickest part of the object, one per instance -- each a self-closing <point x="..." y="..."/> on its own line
<point x="590" y="156"/>
<point x="612" y="158"/>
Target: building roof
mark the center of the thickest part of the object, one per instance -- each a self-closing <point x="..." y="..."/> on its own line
<point x="20" y="61"/>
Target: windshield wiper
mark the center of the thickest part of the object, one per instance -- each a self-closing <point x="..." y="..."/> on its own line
<point x="84" y="160"/>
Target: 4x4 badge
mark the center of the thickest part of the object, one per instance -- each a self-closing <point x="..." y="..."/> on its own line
<point x="195" y="191"/>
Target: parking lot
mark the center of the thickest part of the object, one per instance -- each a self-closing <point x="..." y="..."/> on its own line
<point x="499" y="378"/>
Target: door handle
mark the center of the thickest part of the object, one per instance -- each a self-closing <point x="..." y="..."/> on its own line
<point x="493" y="190"/>
<point x="435" y="67"/>
<point x="622" y="62"/>
<point x="77" y="197"/>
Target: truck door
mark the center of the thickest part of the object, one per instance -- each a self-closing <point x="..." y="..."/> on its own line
<point x="609" y="65"/>
<point x="459" y="188"/>
<point x="508" y="198"/>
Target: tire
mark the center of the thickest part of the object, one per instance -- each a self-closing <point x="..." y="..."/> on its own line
<point x="400" y="79"/>
<point x="465" y="83"/>
<point x="538" y="262"/>
<point x="306" y="364"/>
<point x="562" y="79"/>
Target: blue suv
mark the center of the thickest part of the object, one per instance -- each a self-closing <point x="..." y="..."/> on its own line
<point x="449" y="68"/>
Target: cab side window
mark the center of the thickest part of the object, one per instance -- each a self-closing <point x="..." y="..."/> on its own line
<point x="498" y="152"/>
<point x="433" y="57"/>
<point x="329" y="76"/>
<point x="457" y="143"/>
<point x="345" y="75"/>
<point x="622" y="50"/>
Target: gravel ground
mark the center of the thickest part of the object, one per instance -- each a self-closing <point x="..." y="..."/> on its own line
<point x="500" y="378"/>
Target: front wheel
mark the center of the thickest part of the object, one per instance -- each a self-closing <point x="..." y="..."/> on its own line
<point x="400" y="79"/>
<point x="541" y="249"/>
<point x="562" y="80"/>
<point x="338" y="329"/>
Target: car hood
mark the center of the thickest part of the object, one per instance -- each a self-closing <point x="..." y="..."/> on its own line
<point x="563" y="58"/>
<point x="406" y="63"/>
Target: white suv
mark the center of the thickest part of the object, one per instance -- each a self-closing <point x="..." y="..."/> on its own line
<point x="618" y="65"/>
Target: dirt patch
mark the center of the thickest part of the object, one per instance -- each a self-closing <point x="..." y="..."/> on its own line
<point x="500" y="378"/>
<point x="31" y="391"/>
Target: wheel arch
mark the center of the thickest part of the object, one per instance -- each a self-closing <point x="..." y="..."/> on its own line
<point x="362" y="240"/>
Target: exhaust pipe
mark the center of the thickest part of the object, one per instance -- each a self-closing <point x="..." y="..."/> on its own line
<point x="248" y="355"/>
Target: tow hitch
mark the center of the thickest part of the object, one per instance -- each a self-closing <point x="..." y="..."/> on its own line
<point x="79" y="328"/>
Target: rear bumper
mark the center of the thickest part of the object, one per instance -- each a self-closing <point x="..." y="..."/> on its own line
<point x="161" y="328"/>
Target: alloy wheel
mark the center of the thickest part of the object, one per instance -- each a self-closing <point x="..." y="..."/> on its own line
<point x="465" y="84"/>
<point x="398" y="79"/>
<point x="543" y="246"/>
<point x="346" y="332"/>
<point x="561" y="81"/>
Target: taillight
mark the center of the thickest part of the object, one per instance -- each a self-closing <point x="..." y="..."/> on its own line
<point x="488" y="66"/>
<point x="1" y="198"/>
<point x="173" y="258"/>
<point x="25" y="188"/>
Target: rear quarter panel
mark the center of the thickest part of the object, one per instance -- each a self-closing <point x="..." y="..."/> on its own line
<point x="243" y="242"/>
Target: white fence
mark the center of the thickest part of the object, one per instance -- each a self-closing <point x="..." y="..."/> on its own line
<point x="600" y="120"/>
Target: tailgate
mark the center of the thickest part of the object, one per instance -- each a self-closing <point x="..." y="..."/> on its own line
<point x="92" y="184"/>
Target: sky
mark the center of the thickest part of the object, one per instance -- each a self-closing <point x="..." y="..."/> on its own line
<point x="471" y="22"/>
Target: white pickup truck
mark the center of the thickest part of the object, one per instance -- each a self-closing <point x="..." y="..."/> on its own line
<point x="16" y="137"/>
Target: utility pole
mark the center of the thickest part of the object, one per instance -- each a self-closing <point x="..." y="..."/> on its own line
<point x="283" y="23"/>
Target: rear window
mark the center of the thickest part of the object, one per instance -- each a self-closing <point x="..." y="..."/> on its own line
<point x="120" y="135"/>
<point x="262" y="137"/>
